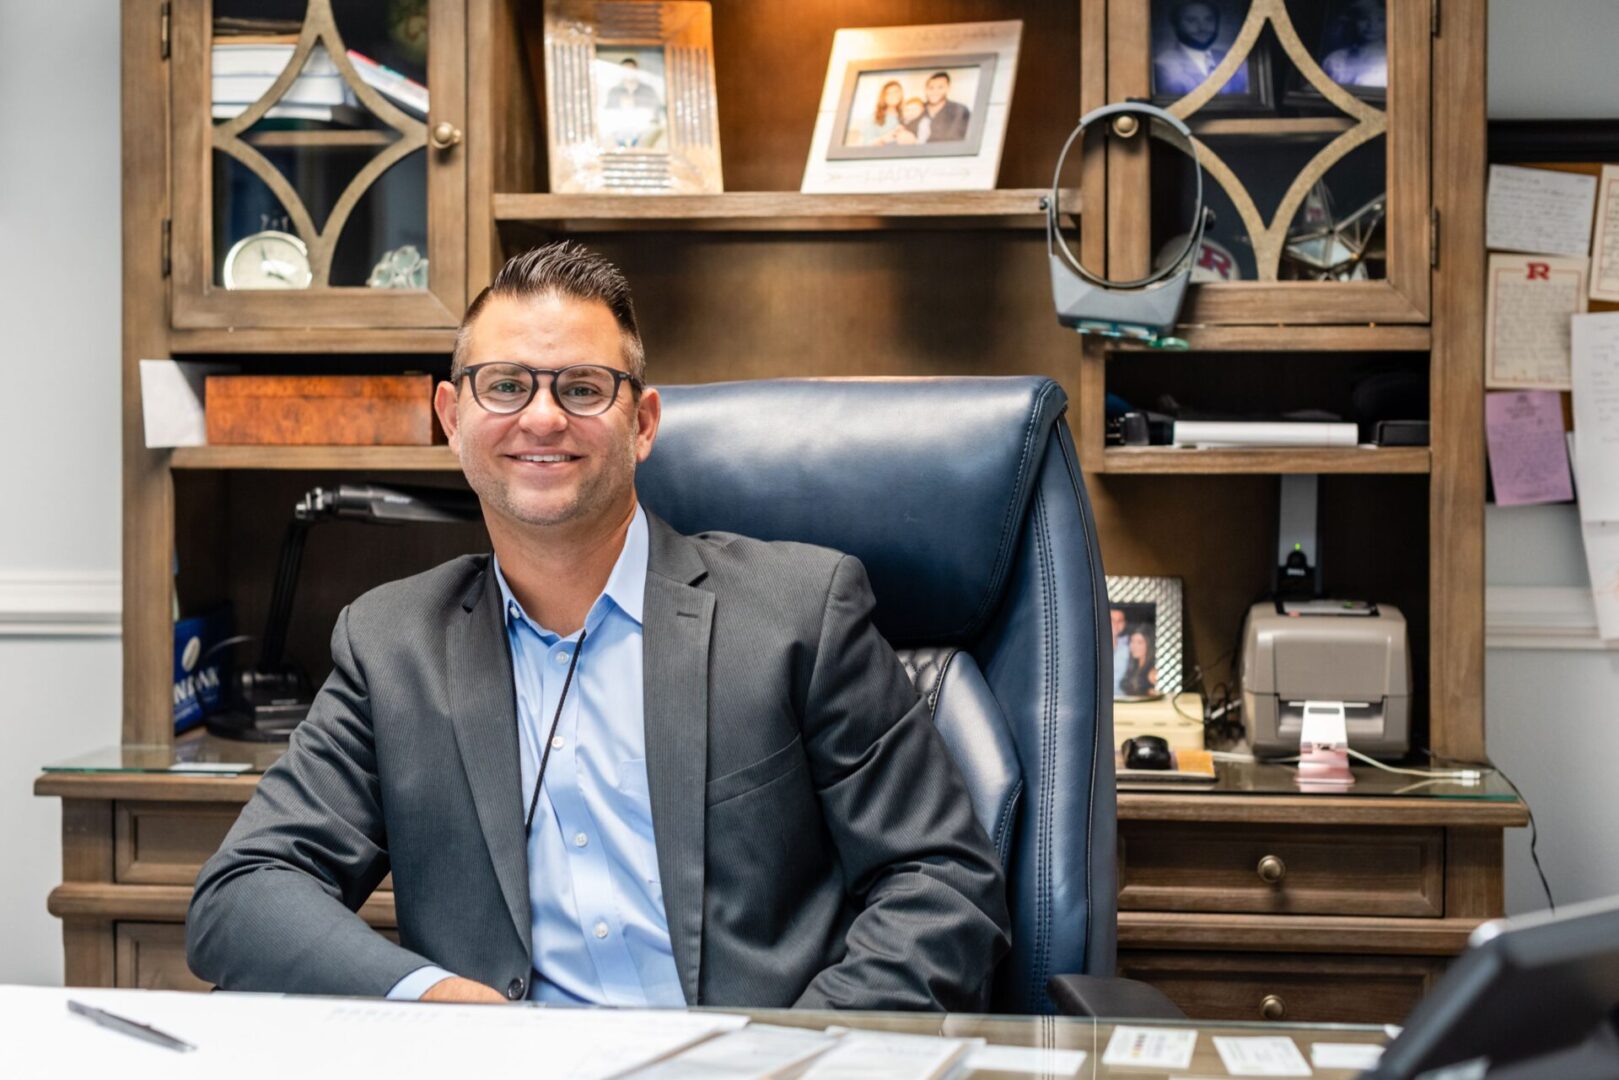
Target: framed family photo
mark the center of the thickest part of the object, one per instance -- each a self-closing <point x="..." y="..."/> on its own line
<point x="914" y="108"/>
<point x="630" y="99"/>
<point x="1144" y="621"/>
<point x="1190" y="38"/>
<point x="1351" y="45"/>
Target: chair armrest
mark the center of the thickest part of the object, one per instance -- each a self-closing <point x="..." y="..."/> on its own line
<point x="1113" y="998"/>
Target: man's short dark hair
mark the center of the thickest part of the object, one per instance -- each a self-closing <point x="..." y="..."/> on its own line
<point x="1182" y="5"/>
<point x="629" y="61"/>
<point x="566" y="269"/>
<point x="945" y="75"/>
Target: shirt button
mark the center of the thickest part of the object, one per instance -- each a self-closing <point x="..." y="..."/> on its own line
<point x="557" y="742"/>
<point x="601" y="930"/>
<point x="562" y="658"/>
<point x="514" y="989"/>
<point x="580" y="839"/>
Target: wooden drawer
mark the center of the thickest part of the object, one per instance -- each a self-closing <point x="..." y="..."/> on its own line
<point x="1286" y="986"/>
<point x="1222" y="868"/>
<point x="152" y="956"/>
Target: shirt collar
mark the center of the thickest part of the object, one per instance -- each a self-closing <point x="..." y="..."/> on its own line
<point x="626" y="585"/>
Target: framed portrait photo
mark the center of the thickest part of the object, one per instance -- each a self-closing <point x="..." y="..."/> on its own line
<point x="1190" y="38"/>
<point x="1351" y="45"/>
<point x="629" y="97"/>
<point x="1145" y="627"/>
<point x="914" y="108"/>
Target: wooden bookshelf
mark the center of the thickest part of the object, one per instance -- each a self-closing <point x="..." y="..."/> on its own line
<point x="347" y="458"/>
<point x="1169" y="460"/>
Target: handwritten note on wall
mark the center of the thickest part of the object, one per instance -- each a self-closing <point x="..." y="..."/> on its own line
<point x="1539" y="211"/>
<point x="1605" y="246"/>
<point x="1530" y="301"/>
<point x="1528" y="454"/>
<point x="1596" y="414"/>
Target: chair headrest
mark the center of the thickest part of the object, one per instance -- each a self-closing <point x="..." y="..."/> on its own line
<point x="926" y="481"/>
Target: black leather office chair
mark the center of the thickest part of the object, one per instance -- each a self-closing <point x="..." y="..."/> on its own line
<point x="963" y="499"/>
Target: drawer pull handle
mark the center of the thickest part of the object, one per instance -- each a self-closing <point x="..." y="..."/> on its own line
<point x="1272" y="870"/>
<point x="1272" y="1008"/>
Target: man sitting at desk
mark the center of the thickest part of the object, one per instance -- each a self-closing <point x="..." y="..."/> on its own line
<point x="610" y="763"/>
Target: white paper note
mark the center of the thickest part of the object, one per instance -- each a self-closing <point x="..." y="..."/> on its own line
<point x="1156" y="1048"/>
<point x="1539" y="210"/>
<point x="1530" y="300"/>
<point x="1035" y="1060"/>
<point x="1345" y="1055"/>
<point x="755" y="1052"/>
<point x="1601" y="542"/>
<point x="1265" y="1055"/>
<point x="1605" y="244"/>
<point x="1596" y="414"/>
<point x="860" y="1055"/>
<point x="171" y="402"/>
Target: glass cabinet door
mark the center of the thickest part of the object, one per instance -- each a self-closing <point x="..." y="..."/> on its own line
<point x="1311" y="121"/>
<point x="319" y="167"/>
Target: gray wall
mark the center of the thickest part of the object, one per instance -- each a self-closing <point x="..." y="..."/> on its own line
<point x="59" y="543"/>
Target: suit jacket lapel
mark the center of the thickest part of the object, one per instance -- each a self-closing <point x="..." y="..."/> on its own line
<point x="484" y="716"/>
<point x="676" y="626"/>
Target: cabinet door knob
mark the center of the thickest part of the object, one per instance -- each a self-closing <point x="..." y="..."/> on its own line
<point x="1272" y="870"/>
<point x="1271" y="1008"/>
<point x="1125" y="126"/>
<point x="444" y="135"/>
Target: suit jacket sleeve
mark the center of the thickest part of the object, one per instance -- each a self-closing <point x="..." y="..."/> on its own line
<point x="934" y="920"/>
<point x="274" y="909"/>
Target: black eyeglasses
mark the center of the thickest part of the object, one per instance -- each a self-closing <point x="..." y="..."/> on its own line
<point x="579" y="389"/>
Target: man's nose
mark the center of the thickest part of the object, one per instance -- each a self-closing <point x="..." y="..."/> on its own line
<point x="543" y="414"/>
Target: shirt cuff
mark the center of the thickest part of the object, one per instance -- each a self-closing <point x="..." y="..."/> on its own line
<point x="417" y="983"/>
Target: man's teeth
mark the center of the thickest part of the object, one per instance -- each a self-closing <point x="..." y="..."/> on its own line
<point x="545" y="457"/>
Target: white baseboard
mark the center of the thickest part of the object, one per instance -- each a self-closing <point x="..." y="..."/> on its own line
<point x="54" y="604"/>
<point x="1541" y="617"/>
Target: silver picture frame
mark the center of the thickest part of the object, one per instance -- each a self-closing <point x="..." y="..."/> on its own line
<point x="1149" y="603"/>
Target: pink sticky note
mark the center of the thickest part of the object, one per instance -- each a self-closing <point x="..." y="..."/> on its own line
<point x="1528" y="452"/>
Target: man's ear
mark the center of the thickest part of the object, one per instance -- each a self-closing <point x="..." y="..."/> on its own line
<point x="648" y="414"/>
<point x="444" y="403"/>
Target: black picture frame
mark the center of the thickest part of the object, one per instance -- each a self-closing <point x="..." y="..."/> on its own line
<point x="916" y="68"/>
<point x="1335" y="33"/>
<point x="1257" y="100"/>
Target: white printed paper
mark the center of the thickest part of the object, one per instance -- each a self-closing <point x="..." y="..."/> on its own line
<point x="1605" y="245"/>
<point x="1345" y="1055"/>
<point x="171" y="402"/>
<point x="1156" y="1048"/>
<point x="860" y="1055"/>
<point x="1531" y="297"/>
<point x="1595" y="372"/>
<point x="1037" y="1060"/>
<point x="1265" y="1055"/>
<point x="1601" y="542"/>
<point x="756" y="1052"/>
<point x="1541" y="211"/>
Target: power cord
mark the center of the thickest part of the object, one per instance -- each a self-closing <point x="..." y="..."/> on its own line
<point x="1534" y="838"/>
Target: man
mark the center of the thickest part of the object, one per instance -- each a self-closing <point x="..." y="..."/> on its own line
<point x="1364" y="60"/>
<point x="610" y="763"/>
<point x="942" y="120"/>
<point x="631" y="92"/>
<point x="1180" y="67"/>
<point x="1121" y="649"/>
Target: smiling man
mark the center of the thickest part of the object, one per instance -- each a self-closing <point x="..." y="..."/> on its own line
<point x="608" y="763"/>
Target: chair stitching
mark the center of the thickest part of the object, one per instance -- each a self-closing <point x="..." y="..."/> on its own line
<point x="1046" y="810"/>
<point x="1003" y="827"/>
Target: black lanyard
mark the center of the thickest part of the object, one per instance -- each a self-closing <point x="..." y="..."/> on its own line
<point x="545" y="752"/>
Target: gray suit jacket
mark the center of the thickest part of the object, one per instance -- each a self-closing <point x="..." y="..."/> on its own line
<point x="815" y="840"/>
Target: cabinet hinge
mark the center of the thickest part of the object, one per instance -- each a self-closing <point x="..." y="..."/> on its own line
<point x="1433" y="27"/>
<point x="163" y="28"/>
<point x="1433" y="236"/>
<point x="167" y="233"/>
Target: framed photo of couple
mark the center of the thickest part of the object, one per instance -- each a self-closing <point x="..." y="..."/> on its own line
<point x="1144" y="622"/>
<point x="914" y="108"/>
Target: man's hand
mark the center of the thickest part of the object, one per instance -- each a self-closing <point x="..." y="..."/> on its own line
<point x="463" y="991"/>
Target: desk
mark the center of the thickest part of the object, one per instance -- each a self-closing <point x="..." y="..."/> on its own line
<point x="1378" y="887"/>
<point x="35" y="1026"/>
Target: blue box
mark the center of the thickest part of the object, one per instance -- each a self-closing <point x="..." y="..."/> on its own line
<point x="198" y="682"/>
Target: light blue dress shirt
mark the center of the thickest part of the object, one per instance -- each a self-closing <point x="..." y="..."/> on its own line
<point x="595" y="893"/>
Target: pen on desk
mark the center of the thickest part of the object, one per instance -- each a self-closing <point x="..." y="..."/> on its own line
<point x="129" y="1027"/>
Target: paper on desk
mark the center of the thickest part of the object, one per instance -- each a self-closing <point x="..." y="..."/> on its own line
<point x="1528" y="453"/>
<point x="756" y="1052"/>
<point x="859" y="1055"/>
<point x="171" y="402"/>
<point x="1037" y="1060"/>
<point x="1541" y="211"/>
<point x="1526" y="346"/>
<point x="253" y="1036"/>
<point x="1605" y="244"/>
<point x="1596" y="414"/>
<point x="1156" y="1048"/>
<point x="1601" y="542"/>
<point x="1345" y="1055"/>
<point x="1264" y="1055"/>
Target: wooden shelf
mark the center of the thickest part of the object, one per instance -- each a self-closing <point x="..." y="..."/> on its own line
<point x="345" y="458"/>
<point x="339" y="138"/>
<point x="780" y="211"/>
<point x="1270" y="127"/>
<point x="1174" y="460"/>
<point x="313" y="340"/>
<point x="1280" y="338"/>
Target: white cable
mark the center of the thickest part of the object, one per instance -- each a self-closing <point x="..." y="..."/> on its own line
<point x="1464" y="776"/>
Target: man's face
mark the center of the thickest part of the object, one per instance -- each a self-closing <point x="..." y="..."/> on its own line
<point x="937" y="90"/>
<point x="594" y="485"/>
<point x="630" y="74"/>
<point x="1118" y="623"/>
<point x="1197" y="25"/>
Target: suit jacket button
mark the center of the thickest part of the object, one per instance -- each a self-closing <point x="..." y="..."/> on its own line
<point x="514" y="989"/>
